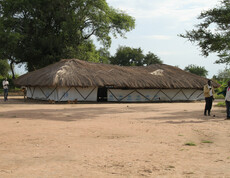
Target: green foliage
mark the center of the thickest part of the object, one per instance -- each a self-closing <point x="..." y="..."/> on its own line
<point x="104" y="56"/>
<point x="198" y="70"/>
<point x="86" y="51"/>
<point x="209" y="40"/>
<point x="218" y="96"/>
<point x="223" y="85"/>
<point x="9" y="78"/>
<point x="206" y="141"/>
<point x="151" y="58"/>
<point x="4" y="68"/>
<point x="41" y="32"/>
<point x="127" y="56"/>
<point x="221" y="104"/>
<point x="190" y="144"/>
<point x="222" y="78"/>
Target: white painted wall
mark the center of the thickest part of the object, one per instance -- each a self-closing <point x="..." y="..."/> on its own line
<point x="63" y="93"/>
<point x="144" y="95"/>
<point x="113" y="95"/>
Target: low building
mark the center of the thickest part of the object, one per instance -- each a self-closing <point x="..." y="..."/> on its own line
<point x="73" y="79"/>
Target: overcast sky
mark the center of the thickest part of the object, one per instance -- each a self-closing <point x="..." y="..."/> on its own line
<point x="158" y="23"/>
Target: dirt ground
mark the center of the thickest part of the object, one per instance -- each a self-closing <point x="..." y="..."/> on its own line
<point x="112" y="140"/>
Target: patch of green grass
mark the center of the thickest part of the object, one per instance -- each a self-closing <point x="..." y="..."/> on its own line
<point x="180" y="135"/>
<point x="221" y="104"/>
<point x="190" y="144"/>
<point x="206" y="141"/>
<point x="218" y="96"/>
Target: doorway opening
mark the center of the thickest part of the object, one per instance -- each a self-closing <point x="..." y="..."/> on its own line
<point x="102" y="94"/>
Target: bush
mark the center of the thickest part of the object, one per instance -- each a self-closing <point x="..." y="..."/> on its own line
<point x="218" y="96"/>
<point x="223" y="83"/>
<point x="221" y="104"/>
<point x="4" y="67"/>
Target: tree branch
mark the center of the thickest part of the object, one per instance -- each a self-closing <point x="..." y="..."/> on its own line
<point x="87" y="37"/>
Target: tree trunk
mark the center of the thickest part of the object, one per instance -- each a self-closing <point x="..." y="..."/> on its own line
<point x="12" y="69"/>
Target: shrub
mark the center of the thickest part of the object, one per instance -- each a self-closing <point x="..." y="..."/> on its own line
<point x="221" y="104"/>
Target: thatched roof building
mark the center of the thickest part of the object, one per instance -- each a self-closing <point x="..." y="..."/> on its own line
<point x="77" y="73"/>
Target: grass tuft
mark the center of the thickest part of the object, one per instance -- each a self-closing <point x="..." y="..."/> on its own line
<point x="190" y="144"/>
<point x="206" y="141"/>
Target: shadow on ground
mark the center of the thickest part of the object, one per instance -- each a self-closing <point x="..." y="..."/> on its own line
<point x="187" y="117"/>
<point x="72" y="112"/>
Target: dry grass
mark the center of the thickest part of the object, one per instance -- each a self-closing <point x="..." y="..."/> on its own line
<point x="74" y="72"/>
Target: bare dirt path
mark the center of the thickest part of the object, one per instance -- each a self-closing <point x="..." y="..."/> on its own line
<point x="112" y="140"/>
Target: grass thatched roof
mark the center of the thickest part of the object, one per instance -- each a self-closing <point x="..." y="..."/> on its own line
<point x="78" y="73"/>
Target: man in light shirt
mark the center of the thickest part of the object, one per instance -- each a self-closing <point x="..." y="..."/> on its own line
<point x="5" y="85"/>
<point x="227" y="100"/>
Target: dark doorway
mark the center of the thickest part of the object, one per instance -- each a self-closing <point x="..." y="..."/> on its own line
<point x="102" y="94"/>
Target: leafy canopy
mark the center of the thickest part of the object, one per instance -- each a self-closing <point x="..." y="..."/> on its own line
<point x="4" y="68"/>
<point x="222" y="78"/>
<point x="41" y="32"/>
<point x="212" y="35"/>
<point x="198" y="70"/>
<point x="224" y="74"/>
<point x="151" y="58"/>
<point x="127" y="56"/>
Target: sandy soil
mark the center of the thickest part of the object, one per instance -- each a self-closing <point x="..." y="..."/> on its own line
<point x="112" y="140"/>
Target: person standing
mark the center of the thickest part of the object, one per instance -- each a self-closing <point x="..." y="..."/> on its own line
<point x="209" y="97"/>
<point x="5" y="85"/>
<point x="227" y="101"/>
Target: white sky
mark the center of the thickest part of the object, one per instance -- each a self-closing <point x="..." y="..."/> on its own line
<point x="158" y="23"/>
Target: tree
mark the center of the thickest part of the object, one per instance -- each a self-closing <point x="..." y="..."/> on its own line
<point x="217" y="40"/>
<point x="198" y="70"/>
<point x="104" y="55"/>
<point x="223" y="75"/>
<point x="41" y="32"/>
<point x="86" y="51"/>
<point x="222" y="78"/>
<point x="127" y="56"/>
<point x="151" y="58"/>
<point x="4" y="68"/>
